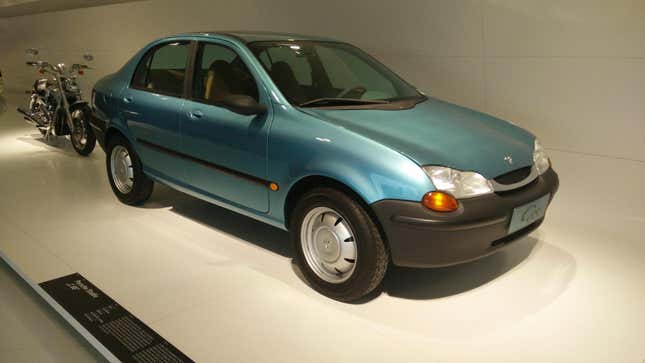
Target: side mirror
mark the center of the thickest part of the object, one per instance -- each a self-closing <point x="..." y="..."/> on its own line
<point x="244" y="105"/>
<point x="32" y="52"/>
<point x="88" y="57"/>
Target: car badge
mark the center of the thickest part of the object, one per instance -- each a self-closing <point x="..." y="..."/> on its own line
<point x="508" y="159"/>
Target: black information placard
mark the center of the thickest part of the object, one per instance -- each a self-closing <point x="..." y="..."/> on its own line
<point x="128" y="338"/>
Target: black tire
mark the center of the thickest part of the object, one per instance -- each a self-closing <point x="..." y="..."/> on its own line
<point x="90" y="139"/>
<point x="142" y="185"/>
<point x="372" y="254"/>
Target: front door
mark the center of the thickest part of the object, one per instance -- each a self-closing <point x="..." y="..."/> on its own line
<point x="229" y="150"/>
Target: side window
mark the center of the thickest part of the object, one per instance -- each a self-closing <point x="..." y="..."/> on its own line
<point x="141" y="74"/>
<point x="220" y="72"/>
<point x="163" y="69"/>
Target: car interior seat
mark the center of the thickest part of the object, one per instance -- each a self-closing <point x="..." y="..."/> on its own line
<point x="218" y="81"/>
<point x="284" y="77"/>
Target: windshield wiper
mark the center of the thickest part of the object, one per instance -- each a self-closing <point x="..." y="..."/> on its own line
<point x="329" y="101"/>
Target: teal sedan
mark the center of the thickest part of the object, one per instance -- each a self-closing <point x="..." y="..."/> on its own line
<point x="315" y="136"/>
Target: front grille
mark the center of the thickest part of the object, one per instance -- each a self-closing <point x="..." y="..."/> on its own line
<point x="511" y="191"/>
<point x="514" y="176"/>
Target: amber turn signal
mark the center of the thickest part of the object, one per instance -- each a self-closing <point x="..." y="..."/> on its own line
<point x="440" y="202"/>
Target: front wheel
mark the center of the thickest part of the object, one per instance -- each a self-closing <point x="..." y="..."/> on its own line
<point x="125" y="172"/>
<point x="339" y="247"/>
<point x="82" y="135"/>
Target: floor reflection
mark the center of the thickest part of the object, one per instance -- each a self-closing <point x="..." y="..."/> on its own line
<point x="404" y="283"/>
<point x="60" y="143"/>
<point x="477" y="299"/>
<point x="3" y="105"/>
<point x="212" y="216"/>
<point x="441" y="282"/>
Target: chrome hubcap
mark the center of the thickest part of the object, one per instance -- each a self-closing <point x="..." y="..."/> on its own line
<point x="121" y="168"/>
<point x="329" y="245"/>
<point x="79" y="134"/>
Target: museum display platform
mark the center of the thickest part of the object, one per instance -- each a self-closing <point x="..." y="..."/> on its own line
<point x="220" y="287"/>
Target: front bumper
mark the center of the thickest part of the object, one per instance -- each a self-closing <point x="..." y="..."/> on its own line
<point x="419" y="237"/>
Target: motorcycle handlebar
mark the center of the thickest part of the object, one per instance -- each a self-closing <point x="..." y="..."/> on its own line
<point x="45" y="66"/>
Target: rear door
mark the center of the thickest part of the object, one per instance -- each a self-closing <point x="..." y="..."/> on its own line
<point x="151" y="107"/>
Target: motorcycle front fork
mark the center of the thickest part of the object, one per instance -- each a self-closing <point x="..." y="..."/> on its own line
<point x="68" y="115"/>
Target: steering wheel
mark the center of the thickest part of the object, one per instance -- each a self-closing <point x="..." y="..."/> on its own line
<point x="353" y="92"/>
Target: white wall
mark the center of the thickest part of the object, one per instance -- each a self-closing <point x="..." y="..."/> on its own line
<point x="572" y="71"/>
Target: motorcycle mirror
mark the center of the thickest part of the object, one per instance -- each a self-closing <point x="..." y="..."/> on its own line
<point x="39" y="64"/>
<point x="88" y="57"/>
<point x="32" y="52"/>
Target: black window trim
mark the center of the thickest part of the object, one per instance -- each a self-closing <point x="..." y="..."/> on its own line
<point x="193" y="69"/>
<point x="191" y="49"/>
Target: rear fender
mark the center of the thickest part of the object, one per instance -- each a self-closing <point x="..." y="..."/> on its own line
<point x="117" y="125"/>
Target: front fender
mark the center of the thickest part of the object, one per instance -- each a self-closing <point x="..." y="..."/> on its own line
<point x="301" y="146"/>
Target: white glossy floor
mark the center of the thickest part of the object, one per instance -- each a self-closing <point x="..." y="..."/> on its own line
<point x="31" y="331"/>
<point x="222" y="287"/>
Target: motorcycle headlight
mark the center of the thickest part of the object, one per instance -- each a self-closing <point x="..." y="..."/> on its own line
<point x="70" y="86"/>
<point x="461" y="184"/>
<point x="540" y="159"/>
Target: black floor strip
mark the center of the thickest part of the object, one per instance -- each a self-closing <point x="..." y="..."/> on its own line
<point x="125" y="336"/>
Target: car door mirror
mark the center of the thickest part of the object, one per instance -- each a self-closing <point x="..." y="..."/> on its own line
<point x="244" y="105"/>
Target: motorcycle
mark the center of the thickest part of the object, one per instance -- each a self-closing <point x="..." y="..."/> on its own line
<point x="56" y="106"/>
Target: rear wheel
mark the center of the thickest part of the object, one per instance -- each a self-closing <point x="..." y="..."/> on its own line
<point x="125" y="172"/>
<point x="339" y="248"/>
<point x="82" y="135"/>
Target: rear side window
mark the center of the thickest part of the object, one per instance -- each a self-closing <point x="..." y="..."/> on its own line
<point x="163" y="69"/>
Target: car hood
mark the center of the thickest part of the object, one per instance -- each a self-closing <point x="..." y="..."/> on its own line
<point x="435" y="132"/>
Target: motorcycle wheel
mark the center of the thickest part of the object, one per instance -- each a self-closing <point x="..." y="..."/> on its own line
<point x="82" y="135"/>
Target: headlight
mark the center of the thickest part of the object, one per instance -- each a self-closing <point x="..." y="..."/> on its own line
<point x="461" y="184"/>
<point x="540" y="159"/>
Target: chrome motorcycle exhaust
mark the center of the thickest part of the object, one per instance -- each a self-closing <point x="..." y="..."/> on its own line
<point x="29" y="118"/>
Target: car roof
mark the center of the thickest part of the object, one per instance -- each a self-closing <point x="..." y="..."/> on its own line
<point x="258" y="36"/>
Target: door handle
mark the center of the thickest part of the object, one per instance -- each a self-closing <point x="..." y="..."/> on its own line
<point x="196" y="114"/>
<point x="127" y="99"/>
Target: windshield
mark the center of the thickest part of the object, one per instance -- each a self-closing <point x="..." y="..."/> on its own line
<point x="329" y="74"/>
